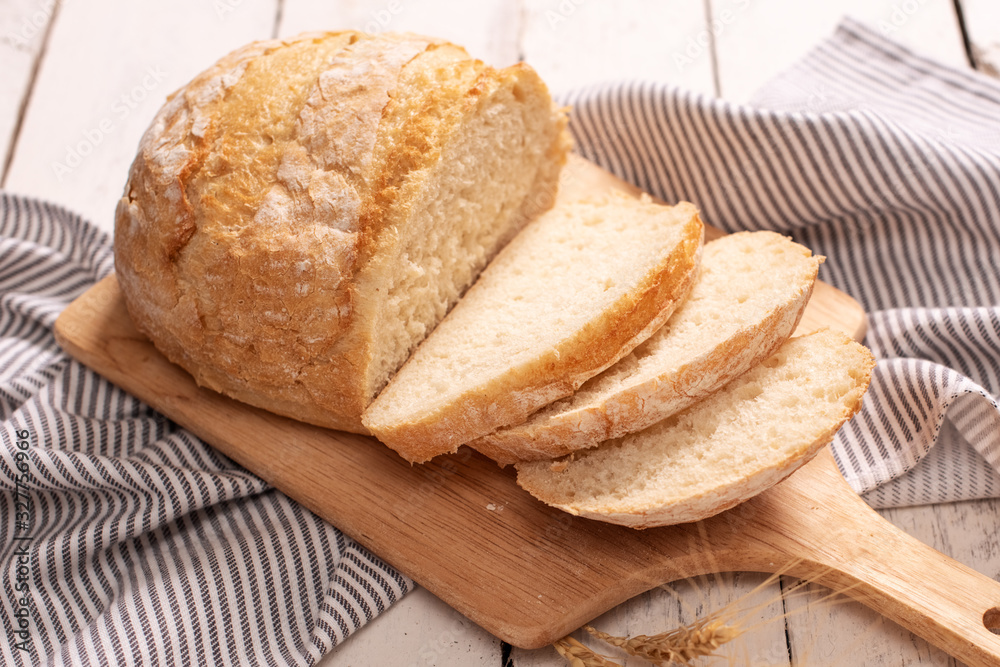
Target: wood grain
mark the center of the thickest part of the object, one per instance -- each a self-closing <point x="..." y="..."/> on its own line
<point x="528" y="573"/>
<point x="421" y="630"/>
<point x="757" y="597"/>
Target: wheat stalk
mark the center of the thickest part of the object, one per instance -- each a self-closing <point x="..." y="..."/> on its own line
<point x="578" y="655"/>
<point x="701" y="638"/>
<point x="680" y="646"/>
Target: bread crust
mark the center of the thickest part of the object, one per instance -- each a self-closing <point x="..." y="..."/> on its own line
<point x="263" y="189"/>
<point x="555" y="373"/>
<point x="642" y="405"/>
<point x="725" y="496"/>
<point x="730" y="493"/>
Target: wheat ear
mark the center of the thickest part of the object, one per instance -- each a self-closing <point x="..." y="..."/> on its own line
<point x="699" y="639"/>
<point x="578" y="655"/>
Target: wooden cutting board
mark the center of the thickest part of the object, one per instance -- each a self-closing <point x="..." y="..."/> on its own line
<point x="530" y="574"/>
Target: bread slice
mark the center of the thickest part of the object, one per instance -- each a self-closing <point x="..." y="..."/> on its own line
<point x="720" y="452"/>
<point x="574" y="292"/>
<point x="747" y="300"/>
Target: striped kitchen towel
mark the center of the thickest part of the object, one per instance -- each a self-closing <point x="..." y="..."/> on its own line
<point x="131" y="542"/>
<point x="889" y="164"/>
<point x="128" y="541"/>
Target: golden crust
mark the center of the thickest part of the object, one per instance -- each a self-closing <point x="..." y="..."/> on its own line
<point x="261" y="191"/>
<point x="510" y="397"/>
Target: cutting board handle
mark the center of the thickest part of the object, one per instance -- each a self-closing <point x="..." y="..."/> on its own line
<point x="847" y="546"/>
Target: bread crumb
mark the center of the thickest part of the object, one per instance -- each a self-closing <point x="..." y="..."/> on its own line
<point x="559" y="466"/>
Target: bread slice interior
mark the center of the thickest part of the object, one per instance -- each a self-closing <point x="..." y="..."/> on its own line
<point x="721" y="451"/>
<point x="498" y="169"/>
<point x="747" y="300"/>
<point x="575" y="291"/>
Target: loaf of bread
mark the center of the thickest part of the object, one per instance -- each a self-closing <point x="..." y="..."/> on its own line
<point x="751" y="434"/>
<point x="747" y="300"/>
<point x="304" y="212"/>
<point x="575" y="291"/>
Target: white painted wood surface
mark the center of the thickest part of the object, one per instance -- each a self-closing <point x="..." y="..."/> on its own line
<point x="419" y="630"/>
<point x="757" y="39"/>
<point x="488" y="30"/>
<point x="101" y="50"/>
<point x="23" y="27"/>
<point x="982" y="20"/>
<point x="575" y="43"/>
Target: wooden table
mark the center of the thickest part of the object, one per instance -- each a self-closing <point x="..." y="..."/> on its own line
<point x="81" y="79"/>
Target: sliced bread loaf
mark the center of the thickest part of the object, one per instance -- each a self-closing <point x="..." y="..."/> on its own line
<point x="721" y="451"/>
<point x="574" y="292"/>
<point x="747" y="300"/>
<point x="305" y="211"/>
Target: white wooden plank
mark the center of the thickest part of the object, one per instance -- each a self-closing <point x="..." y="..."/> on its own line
<point x="758" y="39"/>
<point x="418" y="631"/>
<point x="966" y="531"/>
<point x="487" y="29"/>
<point x="828" y="629"/>
<point x="574" y="43"/>
<point x="982" y="22"/>
<point x="23" y="25"/>
<point x="669" y="607"/>
<point x="109" y="66"/>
